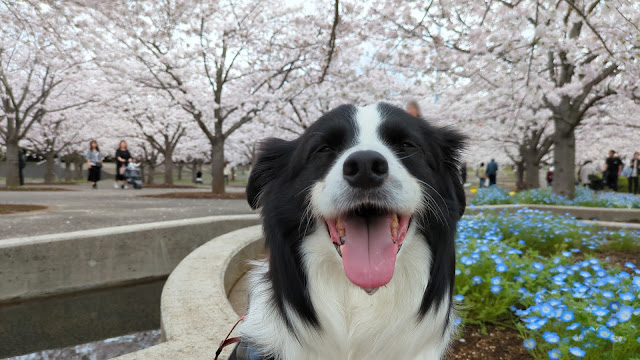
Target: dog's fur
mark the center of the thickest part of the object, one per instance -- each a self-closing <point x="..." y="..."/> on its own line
<point x="301" y="304"/>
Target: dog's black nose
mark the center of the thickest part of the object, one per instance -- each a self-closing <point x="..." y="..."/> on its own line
<point x="365" y="169"/>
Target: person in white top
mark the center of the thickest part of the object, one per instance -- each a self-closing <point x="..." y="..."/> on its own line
<point x="585" y="170"/>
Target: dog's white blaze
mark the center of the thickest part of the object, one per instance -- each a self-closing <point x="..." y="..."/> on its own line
<point x="327" y="196"/>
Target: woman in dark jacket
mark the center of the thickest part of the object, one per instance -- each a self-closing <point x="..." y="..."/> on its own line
<point x="123" y="157"/>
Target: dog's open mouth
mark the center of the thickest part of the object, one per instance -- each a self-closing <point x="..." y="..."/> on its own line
<point x="368" y="240"/>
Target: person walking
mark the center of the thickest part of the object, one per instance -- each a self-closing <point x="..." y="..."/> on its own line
<point x="481" y="174"/>
<point x="635" y="170"/>
<point x="585" y="171"/>
<point x="94" y="163"/>
<point x="123" y="158"/>
<point x="22" y="163"/>
<point x="612" y="169"/>
<point x="550" y="176"/>
<point x="492" y="171"/>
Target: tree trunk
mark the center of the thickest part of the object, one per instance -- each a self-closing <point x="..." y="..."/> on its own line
<point x="168" y="168"/>
<point x="50" y="167"/>
<point x="151" y="173"/>
<point x="531" y="169"/>
<point x="179" y="166"/>
<point x="194" y="170"/>
<point x="233" y="173"/>
<point x="217" y="167"/>
<point x="67" y="168"/>
<point x="79" y="167"/>
<point x="564" y="155"/>
<point x="13" y="170"/>
<point x="142" y="168"/>
<point x="520" y="176"/>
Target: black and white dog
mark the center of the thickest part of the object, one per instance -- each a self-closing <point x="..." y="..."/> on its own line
<point x="360" y="215"/>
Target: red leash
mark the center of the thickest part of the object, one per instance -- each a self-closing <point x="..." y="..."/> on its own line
<point x="228" y="341"/>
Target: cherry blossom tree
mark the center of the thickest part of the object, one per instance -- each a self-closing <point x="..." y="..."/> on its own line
<point x="222" y="62"/>
<point x="38" y="62"/>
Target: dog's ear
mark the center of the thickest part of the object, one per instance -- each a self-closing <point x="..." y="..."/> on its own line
<point x="452" y="146"/>
<point x="272" y="159"/>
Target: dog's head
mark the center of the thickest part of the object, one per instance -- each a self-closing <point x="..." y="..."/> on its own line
<point x="364" y="175"/>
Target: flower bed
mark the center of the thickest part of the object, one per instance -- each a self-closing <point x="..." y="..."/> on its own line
<point x="584" y="197"/>
<point x="548" y="277"/>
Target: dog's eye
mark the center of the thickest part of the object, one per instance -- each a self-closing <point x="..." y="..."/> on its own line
<point x="325" y="149"/>
<point x="407" y="145"/>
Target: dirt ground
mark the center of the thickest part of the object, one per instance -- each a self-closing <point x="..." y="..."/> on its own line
<point x="496" y="344"/>
<point x="16" y="208"/>
<point x="200" y="195"/>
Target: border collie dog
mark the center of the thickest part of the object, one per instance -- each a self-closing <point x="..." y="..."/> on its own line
<point x="359" y="216"/>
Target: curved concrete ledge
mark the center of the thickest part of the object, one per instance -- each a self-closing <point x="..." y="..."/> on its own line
<point x="61" y="263"/>
<point x="195" y="312"/>
<point x="580" y="212"/>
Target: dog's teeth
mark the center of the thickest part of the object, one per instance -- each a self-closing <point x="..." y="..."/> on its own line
<point x="338" y="249"/>
<point x="342" y="239"/>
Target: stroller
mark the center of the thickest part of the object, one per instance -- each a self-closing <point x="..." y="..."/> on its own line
<point x="133" y="175"/>
<point x="595" y="182"/>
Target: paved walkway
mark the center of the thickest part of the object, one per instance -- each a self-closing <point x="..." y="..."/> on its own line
<point x="84" y="209"/>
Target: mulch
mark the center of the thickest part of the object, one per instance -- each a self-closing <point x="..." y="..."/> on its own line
<point x="199" y="195"/>
<point x="32" y="188"/>
<point x="619" y="258"/>
<point x="49" y="183"/>
<point x="496" y="344"/>
<point x="15" y="208"/>
<point x="167" y="186"/>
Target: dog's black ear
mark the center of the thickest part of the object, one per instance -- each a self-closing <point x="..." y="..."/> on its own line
<point x="273" y="156"/>
<point x="453" y="144"/>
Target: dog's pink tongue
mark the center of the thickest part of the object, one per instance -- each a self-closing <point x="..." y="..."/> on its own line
<point x="369" y="253"/>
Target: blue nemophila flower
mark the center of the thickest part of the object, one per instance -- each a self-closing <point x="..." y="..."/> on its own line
<point x="550" y="337"/>
<point x="476" y="280"/>
<point x="625" y="313"/>
<point x="496" y="289"/>
<point x="614" y="305"/>
<point x="607" y="294"/>
<point x="496" y="280"/>
<point x="627" y="296"/>
<point x="612" y="322"/>
<point x="604" y="333"/>
<point x="458" y="297"/>
<point x="458" y="272"/>
<point x="585" y="274"/>
<point x="599" y="311"/>
<point x="529" y="343"/>
<point x="554" y="354"/>
<point x="546" y="309"/>
<point x="629" y="265"/>
<point x="501" y="268"/>
<point x="576" y="351"/>
<point x="566" y="254"/>
<point x="573" y="326"/>
<point x="567" y="316"/>
<point x="457" y="321"/>
<point x="537" y="266"/>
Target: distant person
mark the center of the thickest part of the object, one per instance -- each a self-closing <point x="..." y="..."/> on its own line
<point x="414" y="109"/>
<point x="226" y="172"/>
<point x="585" y="171"/>
<point x="94" y="162"/>
<point x="550" y="176"/>
<point x="635" y="170"/>
<point x="199" y="177"/>
<point x="22" y="163"/>
<point x="463" y="173"/>
<point x="123" y="157"/>
<point x="492" y="171"/>
<point x="612" y="170"/>
<point x="482" y="175"/>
